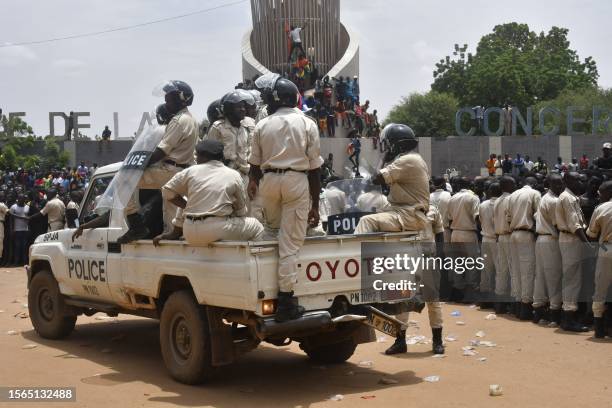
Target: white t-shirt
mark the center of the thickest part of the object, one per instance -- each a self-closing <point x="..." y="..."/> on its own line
<point x="295" y="35"/>
<point x="20" y="224"/>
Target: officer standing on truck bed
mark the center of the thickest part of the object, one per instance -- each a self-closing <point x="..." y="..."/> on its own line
<point x="233" y="133"/>
<point x="407" y="176"/>
<point x="173" y="154"/>
<point x="285" y="168"/>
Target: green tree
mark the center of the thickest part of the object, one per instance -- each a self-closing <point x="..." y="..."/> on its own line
<point x="8" y="158"/>
<point x="427" y="114"/>
<point x="54" y="157"/>
<point x="584" y="99"/>
<point x="516" y="66"/>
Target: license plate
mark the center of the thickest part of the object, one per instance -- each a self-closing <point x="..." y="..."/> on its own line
<point x="364" y="296"/>
<point x="383" y="322"/>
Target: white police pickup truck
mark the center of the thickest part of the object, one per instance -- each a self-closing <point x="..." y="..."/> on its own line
<point x="213" y="302"/>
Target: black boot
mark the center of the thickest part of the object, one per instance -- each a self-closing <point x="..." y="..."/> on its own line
<point x="538" y="314"/>
<point x="399" y="346"/>
<point x="555" y="316"/>
<point x="500" y="308"/>
<point x="600" y="330"/>
<point x="569" y="323"/>
<point x="516" y="309"/>
<point x="287" y="308"/>
<point x="438" y="345"/>
<point x="137" y="229"/>
<point x="526" y="312"/>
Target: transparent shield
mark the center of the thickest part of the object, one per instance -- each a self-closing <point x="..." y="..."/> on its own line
<point x="126" y="180"/>
<point x="356" y="195"/>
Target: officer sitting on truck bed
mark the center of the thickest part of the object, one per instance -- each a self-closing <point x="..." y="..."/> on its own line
<point x="216" y="204"/>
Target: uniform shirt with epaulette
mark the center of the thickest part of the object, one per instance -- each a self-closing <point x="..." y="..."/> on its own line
<point x="235" y="141"/>
<point x="180" y="138"/>
<point x="601" y="223"/>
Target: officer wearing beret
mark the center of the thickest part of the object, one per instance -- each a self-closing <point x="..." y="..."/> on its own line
<point x="215" y="207"/>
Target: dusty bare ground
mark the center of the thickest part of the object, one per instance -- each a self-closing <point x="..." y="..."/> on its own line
<point x="116" y="363"/>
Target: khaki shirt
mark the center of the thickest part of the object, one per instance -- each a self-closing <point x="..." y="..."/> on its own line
<point x="180" y="138"/>
<point x="211" y="189"/>
<point x="434" y="224"/>
<point x="335" y="200"/>
<point x="408" y="180"/>
<point x="54" y="210"/>
<point x="487" y="221"/>
<point x="568" y="213"/>
<point x="249" y="123"/>
<point x="440" y="199"/>
<point x="463" y="210"/>
<point x="500" y="219"/>
<point x="546" y="223"/>
<point x="235" y="143"/>
<point x="286" y="139"/>
<point x="3" y="210"/>
<point x="372" y="201"/>
<point x="522" y="206"/>
<point x="601" y="223"/>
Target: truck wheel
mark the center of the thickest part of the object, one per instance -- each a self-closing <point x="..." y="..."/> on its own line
<point x="185" y="339"/>
<point x="47" y="308"/>
<point x="335" y="353"/>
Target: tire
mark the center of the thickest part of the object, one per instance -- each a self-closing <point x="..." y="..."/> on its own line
<point x="185" y="339"/>
<point x="48" y="311"/>
<point x="335" y="353"/>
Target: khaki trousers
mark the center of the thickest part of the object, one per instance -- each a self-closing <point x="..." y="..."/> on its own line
<point x="214" y="229"/>
<point x="465" y="244"/>
<point x="547" y="287"/>
<point x="393" y="220"/>
<point x="502" y="268"/>
<point x="488" y="250"/>
<point x="571" y="257"/>
<point x="154" y="178"/>
<point x="434" y="312"/>
<point x="522" y="271"/>
<point x="603" y="280"/>
<point x="285" y="203"/>
<point x="56" y="225"/>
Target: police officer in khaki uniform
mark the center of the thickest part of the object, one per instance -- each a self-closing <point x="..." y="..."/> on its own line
<point x="216" y="204"/>
<point x="547" y="286"/>
<point x="173" y="154"/>
<point x="233" y="133"/>
<point x="488" y="247"/>
<point x="407" y="176"/>
<point x="285" y="172"/>
<point x="462" y="213"/>
<point x="55" y="210"/>
<point x="433" y="241"/>
<point x="601" y="225"/>
<point x="572" y="239"/>
<point x="522" y="206"/>
<point x="440" y="198"/>
<point x="503" y="231"/>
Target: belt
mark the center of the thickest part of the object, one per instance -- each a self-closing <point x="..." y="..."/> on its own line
<point x="175" y="164"/>
<point x="200" y="217"/>
<point x="283" y="171"/>
<point x="543" y="235"/>
<point x="567" y="232"/>
<point x="524" y="229"/>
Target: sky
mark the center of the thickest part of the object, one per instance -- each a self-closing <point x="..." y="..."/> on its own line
<point x="400" y="42"/>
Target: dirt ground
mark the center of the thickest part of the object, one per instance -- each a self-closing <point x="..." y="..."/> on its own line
<point x="115" y="362"/>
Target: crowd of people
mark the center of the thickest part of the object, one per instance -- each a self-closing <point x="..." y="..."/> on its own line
<point x="521" y="165"/>
<point x="544" y="234"/>
<point x="33" y="201"/>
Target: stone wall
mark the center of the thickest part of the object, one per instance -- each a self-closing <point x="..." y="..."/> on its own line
<point x="469" y="154"/>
